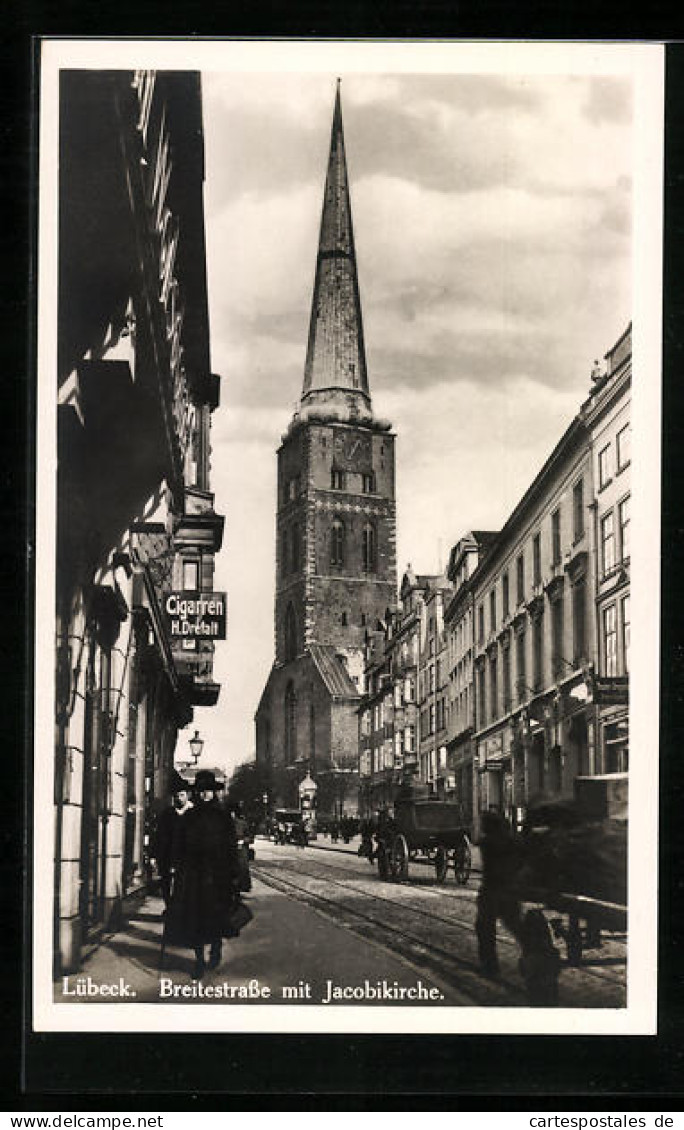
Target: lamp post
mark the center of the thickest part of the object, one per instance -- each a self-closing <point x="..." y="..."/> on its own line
<point x="196" y="744"/>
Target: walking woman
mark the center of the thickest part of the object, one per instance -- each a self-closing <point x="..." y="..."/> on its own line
<point x="206" y="892"/>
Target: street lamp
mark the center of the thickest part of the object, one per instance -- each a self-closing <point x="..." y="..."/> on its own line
<point x="196" y="746"/>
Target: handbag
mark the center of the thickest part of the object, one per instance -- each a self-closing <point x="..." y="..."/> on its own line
<point x="238" y="918"/>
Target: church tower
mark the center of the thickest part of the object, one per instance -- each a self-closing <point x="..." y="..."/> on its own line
<point x="335" y="554"/>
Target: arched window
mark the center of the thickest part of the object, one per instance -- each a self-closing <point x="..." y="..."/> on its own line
<point x="337" y="542"/>
<point x="290" y="727"/>
<point x="368" y="548"/>
<point x="290" y="633"/>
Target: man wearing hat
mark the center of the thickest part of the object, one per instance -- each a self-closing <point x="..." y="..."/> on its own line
<point x="168" y="833"/>
<point x="206" y="893"/>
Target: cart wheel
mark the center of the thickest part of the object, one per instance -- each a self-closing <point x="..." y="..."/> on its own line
<point x="462" y="863"/>
<point x="441" y="864"/>
<point x="383" y="863"/>
<point x="400" y="858"/>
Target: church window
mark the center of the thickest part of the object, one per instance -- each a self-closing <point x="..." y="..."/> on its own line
<point x="337" y="542"/>
<point x="295" y="547"/>
<point x="368" y="548"/>
<point x="290" y="724"/>
<point x="290" y="633"/>
<point x="337" y="479"/>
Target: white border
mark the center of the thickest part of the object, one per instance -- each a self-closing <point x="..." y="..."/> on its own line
<point x="644" y="63"/>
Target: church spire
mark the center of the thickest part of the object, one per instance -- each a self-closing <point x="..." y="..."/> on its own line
<point x="335" y="377"/>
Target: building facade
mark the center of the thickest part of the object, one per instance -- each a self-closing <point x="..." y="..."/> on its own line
<point x="135" y="513"/>
<point x="464" y="559"/>
<point x="607" y="418"/>
<point x="433" y="697"/>
<point x="549" y="618"/>
<point x="335" y="529"/>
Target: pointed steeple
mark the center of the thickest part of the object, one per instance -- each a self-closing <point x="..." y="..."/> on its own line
<point x="335" y="376"/>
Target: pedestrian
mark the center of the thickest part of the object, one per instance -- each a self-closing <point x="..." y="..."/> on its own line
<point x="202" y="910"/>
<point x="168" y="834"/>
<point x="242" y="837"/>
<point x="497" y="897"/>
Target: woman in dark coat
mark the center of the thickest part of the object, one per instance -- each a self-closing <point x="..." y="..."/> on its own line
<point x="206" y="890"/>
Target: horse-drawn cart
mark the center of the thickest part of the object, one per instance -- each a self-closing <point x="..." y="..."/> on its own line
<point x="574" y="862"/>
<point x="432" y="831"/>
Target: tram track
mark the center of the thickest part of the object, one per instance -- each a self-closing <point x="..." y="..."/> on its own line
<point x="447" y="971"/>
<point x="411" y="940"/>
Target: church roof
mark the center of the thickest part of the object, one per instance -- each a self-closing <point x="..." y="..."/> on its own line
<point x="335" y="356"/>
<point x="333" y="671"/>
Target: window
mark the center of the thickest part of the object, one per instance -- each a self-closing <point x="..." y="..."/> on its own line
<point x="506" y="672"/>
<point x="578" y="510"/>
<point x="343" y="619"/>
<point x="493" y="687"/>
<point x="520" y="661"/>
<point x="368" y="482"/>
<point x="556" y="537"/>
<point x="368" y="548"/>
<point x="520" y="578"/>
<point x="538" y="653"/>
<point x="492" y="610"/>
<point x="579" y="620"/>
<point x="625" y="632"/>
<point x="285" y="552"/>
<point x="504" y="595"/>
<point x="191" y="576"/>
<point x="623" y="445"/>
<point x="337" y="542"/>
<point x="431" y="676"/>
<point x="482" y="700"/>
<point x="480" y="623"/>
<point x="431" y="723"/>
<point x="337" y="479"/>
<point x="608" y="543"/>
<point x="610" y="641"/>
<point x="536" y="559"/>
<point x="623" y="518"/>
<point x="557" y="624"/>
<point x="605" y="467"/>
<point x="410" y="739"/>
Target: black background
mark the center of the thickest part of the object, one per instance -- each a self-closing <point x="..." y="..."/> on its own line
<point x="153" y="1072"/>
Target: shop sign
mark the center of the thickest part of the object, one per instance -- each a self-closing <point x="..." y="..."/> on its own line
<point x="194" y="615"/>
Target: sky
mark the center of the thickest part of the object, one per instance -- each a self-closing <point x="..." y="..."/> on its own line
<point x="493" y="226"/>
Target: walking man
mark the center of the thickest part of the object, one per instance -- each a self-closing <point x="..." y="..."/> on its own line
<point x="168" y="834"/>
